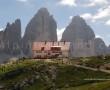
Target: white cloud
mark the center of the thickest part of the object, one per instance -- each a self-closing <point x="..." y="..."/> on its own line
<point x="86" y="16"/>
<point x="108" y="22"/>
<point x="98" y="36"/>
<point x="60" y="32"/>
<point x="1" y="29"/>
<point x="96" y="2"/>
<point x="22" y="0"/>
<point x="102" y="13"/>
<point x="70" y="17"/>
<point x="68" y="2"/>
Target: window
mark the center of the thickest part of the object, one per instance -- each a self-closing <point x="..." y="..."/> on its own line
<point x="55" y="48"/>
<point x="42" y="48"/>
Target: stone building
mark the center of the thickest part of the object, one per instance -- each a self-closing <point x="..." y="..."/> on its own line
<point x="50" y="49"/>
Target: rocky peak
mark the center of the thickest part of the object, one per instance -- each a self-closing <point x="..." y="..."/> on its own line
<point x="43" y="11"/>
<point x="12" y="37"/>
<point x="8" y="25"/>
<point x="78" y="20"/>
<point x="13" y="29"/>
<point x="108" y="50"/>
<point x="100" y="47"/>
<point x="1" y="34"/>
<point x="78" y="29"/>
<point x="18" y="22"/>
<point x="109" y="46"/>
<point x="42" y="27"/>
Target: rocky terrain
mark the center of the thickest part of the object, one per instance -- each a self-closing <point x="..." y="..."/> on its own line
<point x="109" y="49"/>
<point x="10" y="40"/>
<point x="43" y="27"/>
<point x="100" y="47"/>
<point x="78" y="29"/>
<point x="82" y="38"/>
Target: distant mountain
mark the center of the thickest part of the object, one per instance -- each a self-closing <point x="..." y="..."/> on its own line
<point x="10" y="38"/>
<point x="109" y="47"/>
<point x="100" y="47"/>
<point x="82" y="38"/>
<point x="42" y="27"/>
<point x="78" y="29"/>
<point x="108" y="50"/>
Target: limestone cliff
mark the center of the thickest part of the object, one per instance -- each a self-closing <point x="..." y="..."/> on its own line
<point x="81" y="37"/>
<point x="78" y="29"/>
<point x="100" y="47"/>
<point x="42" y="27"/>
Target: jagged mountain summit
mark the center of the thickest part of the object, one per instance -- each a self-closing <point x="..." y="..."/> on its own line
<point x="109" y="50"/>
<point x="82" y="38"/>
<point x="78" y="29"/>
<point x="10" y="40"/>
<point x="100" y="47"/>
<point x="42" y="27"/>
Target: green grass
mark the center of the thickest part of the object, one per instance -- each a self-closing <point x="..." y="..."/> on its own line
<point x="68" y="77"/>
<point x="72" y="76"/>
<point x="39" y="85"/>
<point x="15" y="65"/>
<point x="93" y="86"/>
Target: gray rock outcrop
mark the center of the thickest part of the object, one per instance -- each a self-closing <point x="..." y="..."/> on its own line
<point x="81" y="37"/>
<point x="42" y="27"/>
<point x="1" y="42"/>
<point x="109" y="50"/>
<point x="83" y="41"/>
<point x="10" y="40"/>
<point x="78" y="29"/>
<point x="100" y="47"/>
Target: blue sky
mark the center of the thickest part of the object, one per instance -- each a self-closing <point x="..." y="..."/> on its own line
<point x="95" y="12"/>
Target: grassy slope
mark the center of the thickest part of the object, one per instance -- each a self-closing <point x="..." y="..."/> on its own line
<point x="74" y="77"/>
<point x="94" y="86"/>
<point x="67" y="76"/>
